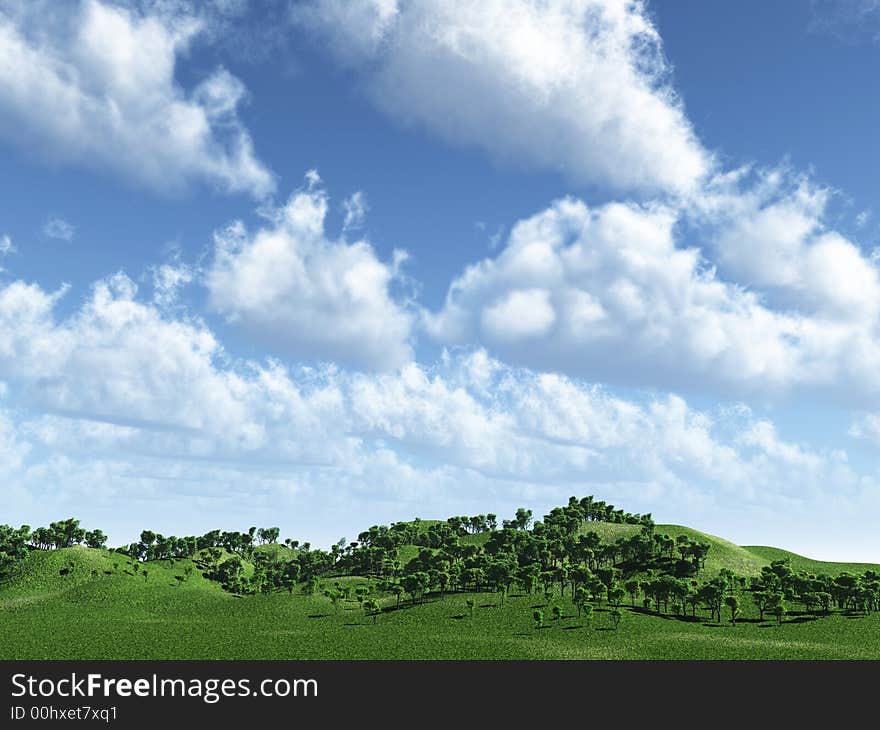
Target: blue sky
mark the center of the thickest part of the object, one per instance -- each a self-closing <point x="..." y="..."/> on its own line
<point x="327" y="264"/>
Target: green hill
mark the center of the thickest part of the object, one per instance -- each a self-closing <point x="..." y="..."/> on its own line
<point x="82" y="603"/>
<point x="722" y="553"/>
<point x="808" y="565"/>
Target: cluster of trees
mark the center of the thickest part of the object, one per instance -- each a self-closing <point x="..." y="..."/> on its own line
<point x="16" y="542"/>
<point x="557" y="554"/>
<point x="554" y="554"/>
<point x="153" y="546"/>
<point x="13" y="547"/>
<point x="779" y="585"/>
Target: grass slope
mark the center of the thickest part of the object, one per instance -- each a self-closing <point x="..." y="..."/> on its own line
<point x="722" y="553"/>
<point x="102" y="609"/>
<point x="799" y="562"/>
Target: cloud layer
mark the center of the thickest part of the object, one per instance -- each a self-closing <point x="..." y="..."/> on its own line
<point x="124" y="398"/>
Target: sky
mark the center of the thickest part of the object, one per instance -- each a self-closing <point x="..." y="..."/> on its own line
<point x="324" y="264"/>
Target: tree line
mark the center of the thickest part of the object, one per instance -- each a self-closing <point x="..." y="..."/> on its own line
<point x="556" y="555"/>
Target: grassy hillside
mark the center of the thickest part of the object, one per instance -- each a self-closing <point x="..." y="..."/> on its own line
<point x="722" y="554"/>
<point x="95" y="604"/>
<point x="799" y="562"/>
<point x="47" y="616"/>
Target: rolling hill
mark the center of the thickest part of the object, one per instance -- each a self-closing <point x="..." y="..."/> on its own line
<point x="82" y="603"/>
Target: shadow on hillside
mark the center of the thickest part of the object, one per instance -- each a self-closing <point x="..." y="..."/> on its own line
<point x="318" y="615"/>
<point x="668" y="616"/>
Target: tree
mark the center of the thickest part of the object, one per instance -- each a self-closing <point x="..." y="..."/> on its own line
<point x="581" y="599"/>
<point x="632" y="587"/>
<point x="372" y="608"/>
<point x="335" y="597"/>
<point x="615" y="618"/>
<point x="776" y="605"/>
<point x="588" y="615"/>
<point x="311" y="585"/>
<point x="761" y="599"/>
<point x="471" y="605"/>
<point x="538" y="616"/>
<point x="733" y="605"/>
<point x="557" y="613"/>
<point x="523" y="518"/>
<point x="95" y="539"/>
<point x="268" y="534"/>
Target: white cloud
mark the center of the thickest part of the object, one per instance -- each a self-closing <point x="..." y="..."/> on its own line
<point x="168" y="279"/>
<point x="306" y="294"/>
<point x="579" y="86"/>
<point x="122" y="398"/>
<point x="519" y="314"/>
<point x="866" y="426"/>
<point x="770" y="234"/>
<point x="6" y="246"/>
<point x="356" y="208"/>
<point x="94" y="84"/>
<point x="612" y="293"/>
<point x="59" y="228"/>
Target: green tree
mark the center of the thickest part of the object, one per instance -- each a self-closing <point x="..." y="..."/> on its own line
<point x="372" y="608"/>
<point x="615" y="618"/>
<point x="776" y="606"/>
<point x="632" y="587"/>
<point x="95" y="539"/>
<point x="733" y="605"/>
<point x="538" y="616"/>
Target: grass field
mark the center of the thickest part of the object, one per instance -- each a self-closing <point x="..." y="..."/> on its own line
<point x="105" y="608"/>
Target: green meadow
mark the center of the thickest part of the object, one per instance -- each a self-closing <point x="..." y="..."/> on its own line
<point x="86" y="603"/>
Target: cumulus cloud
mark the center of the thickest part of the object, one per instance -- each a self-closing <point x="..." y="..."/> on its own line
<point x="579" y="86"/>
<point x="613" y="293"/>
<point x="306" y="294"/>
<point x="94" y="84"/>
<point x="6" y="246"/>
<point x="769" y="234"/>
<point x="120" y="396"/>
<point x="59" y="229"/>
<point x="168" y="279"/>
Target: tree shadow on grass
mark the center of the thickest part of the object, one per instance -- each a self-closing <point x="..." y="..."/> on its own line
<point x="800" y="620"/>
<point x="667" y="616"/>
<point x="488" y="605"/>
<point x="458" y="617"/>
<point x="318" y="615"/>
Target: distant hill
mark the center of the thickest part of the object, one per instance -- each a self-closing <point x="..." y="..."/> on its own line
<point x="85" y="603"/>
